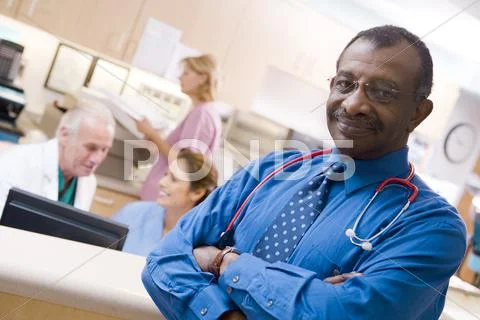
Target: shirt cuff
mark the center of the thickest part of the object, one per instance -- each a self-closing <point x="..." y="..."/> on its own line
<point x="240" y="273"/>
<point x="245" y="278"/>
<point x="211" y="302"/>
<point x="242" y="276"/>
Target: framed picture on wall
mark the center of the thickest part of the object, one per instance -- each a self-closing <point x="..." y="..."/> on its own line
<point x="73" y="69"/>
<point x="69" y="70"/>
<point x="108" y="76"/>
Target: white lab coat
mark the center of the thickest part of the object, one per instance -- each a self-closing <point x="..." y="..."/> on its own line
<point x="34" y="168"/>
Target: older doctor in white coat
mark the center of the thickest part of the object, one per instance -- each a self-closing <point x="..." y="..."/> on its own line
<point x="84" y="136"/>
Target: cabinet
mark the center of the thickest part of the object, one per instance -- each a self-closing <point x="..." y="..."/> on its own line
<point x="9" y="7"/>
<point x="285" y="35"/>
<point x="179" y="14"/>
<point x="106" y="201"/>
<point x="59" y="18"/>
<point x="215" y="25"/>
<point x="246" y="36"/>
<point x="102" y="25"/>
<point x="210" y="26"/>
<point x="35" y="309"/>
<point x="107" y="25"/>
<point x="253" y="47"/>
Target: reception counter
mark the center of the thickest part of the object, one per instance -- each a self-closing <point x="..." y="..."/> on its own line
<point x="43" y="277"/>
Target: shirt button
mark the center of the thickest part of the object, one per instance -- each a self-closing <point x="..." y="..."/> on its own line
<point x="270" y="303"/>
<point x="336" y="272"/>
<point x="235" y="279"/>
<point x="203" y="311"/>
<point x="229" y="290"/>
<point x="170" y="289"/>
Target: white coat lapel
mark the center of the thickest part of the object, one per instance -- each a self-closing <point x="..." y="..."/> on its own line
<point x="86" y="187"/>
<point x="50" y="169"/>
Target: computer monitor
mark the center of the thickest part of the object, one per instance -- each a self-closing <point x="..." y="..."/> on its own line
<point x="30" y="212"/>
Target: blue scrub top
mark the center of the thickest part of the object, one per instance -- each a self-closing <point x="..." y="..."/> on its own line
<point x="145" y="223"/>
<point x="406" y="274"/>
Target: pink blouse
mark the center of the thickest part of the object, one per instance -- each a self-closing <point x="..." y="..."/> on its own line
<point x="200" y="131"/>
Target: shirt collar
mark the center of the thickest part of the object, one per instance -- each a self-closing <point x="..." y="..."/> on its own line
<point x="61" y="180"/>
<point x="393" y="164"/>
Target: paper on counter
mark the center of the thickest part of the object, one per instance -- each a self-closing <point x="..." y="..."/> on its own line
<point x="127" y="110"/>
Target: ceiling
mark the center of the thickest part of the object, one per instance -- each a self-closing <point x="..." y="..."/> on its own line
<point x="449" y="28"/>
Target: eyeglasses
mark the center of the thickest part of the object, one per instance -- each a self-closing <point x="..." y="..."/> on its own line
<point x="379" y="91"/>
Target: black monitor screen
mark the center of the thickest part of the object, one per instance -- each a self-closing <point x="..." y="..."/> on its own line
<point x="30" y="212"/>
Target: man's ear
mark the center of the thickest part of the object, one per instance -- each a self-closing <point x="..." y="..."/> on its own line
<point x="63" y="136"/>
<point x="421" y="113"/>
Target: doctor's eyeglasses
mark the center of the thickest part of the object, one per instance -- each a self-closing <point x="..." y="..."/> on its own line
<point x="379" y="91"/>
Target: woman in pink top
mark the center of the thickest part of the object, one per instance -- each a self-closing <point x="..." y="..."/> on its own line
<point x="201" y="128"/>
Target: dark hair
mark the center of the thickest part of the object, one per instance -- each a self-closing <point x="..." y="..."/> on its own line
<point x="196" y="162"/>
<point x="389" y="36"/>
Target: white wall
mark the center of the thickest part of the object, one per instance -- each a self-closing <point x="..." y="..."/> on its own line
<point x="466" y="110"/>
<point x="444" y="96"/>
<point x="293" y="103"/>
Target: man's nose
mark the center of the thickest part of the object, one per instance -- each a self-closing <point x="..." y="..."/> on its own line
<point x="357" y="101"/>
<point x="97" y="156"/>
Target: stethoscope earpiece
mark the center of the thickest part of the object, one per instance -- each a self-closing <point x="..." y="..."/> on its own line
<point x="350" y="233"/>
<point x="367" y="246"/>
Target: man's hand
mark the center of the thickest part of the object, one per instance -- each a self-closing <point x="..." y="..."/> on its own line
<point x="205" y="255"/>
<point x="233" y="315"/>
<point x="341" y="278"/>
<point x="229" y="258"/>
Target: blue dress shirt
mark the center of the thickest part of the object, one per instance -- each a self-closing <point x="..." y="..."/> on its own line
<point x="145" y="224"/>
<point x="406" y="274"/>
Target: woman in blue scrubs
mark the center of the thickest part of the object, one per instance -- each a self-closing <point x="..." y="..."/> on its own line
<point x="187" y="183"/>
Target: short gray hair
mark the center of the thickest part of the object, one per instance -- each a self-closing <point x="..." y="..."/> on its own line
<point x="86" y="109"/>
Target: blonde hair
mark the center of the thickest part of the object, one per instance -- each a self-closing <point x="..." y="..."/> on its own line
<point x="204" y="65"/>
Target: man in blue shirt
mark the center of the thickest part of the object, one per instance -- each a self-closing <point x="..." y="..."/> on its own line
<point x="378" y="96"/>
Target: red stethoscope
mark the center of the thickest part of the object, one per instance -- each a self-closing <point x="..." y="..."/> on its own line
<point x="226" y="238"/>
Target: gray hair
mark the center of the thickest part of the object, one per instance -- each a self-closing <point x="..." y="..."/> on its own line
<point x="83" y="110"/>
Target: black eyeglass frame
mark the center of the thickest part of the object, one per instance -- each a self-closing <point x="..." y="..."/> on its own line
<point x="355" y="84"/>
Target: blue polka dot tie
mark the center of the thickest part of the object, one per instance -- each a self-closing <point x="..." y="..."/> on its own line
<point x="280" y="239"/>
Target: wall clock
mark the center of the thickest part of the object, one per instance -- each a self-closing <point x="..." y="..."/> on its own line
<point x="460" y="142"/>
